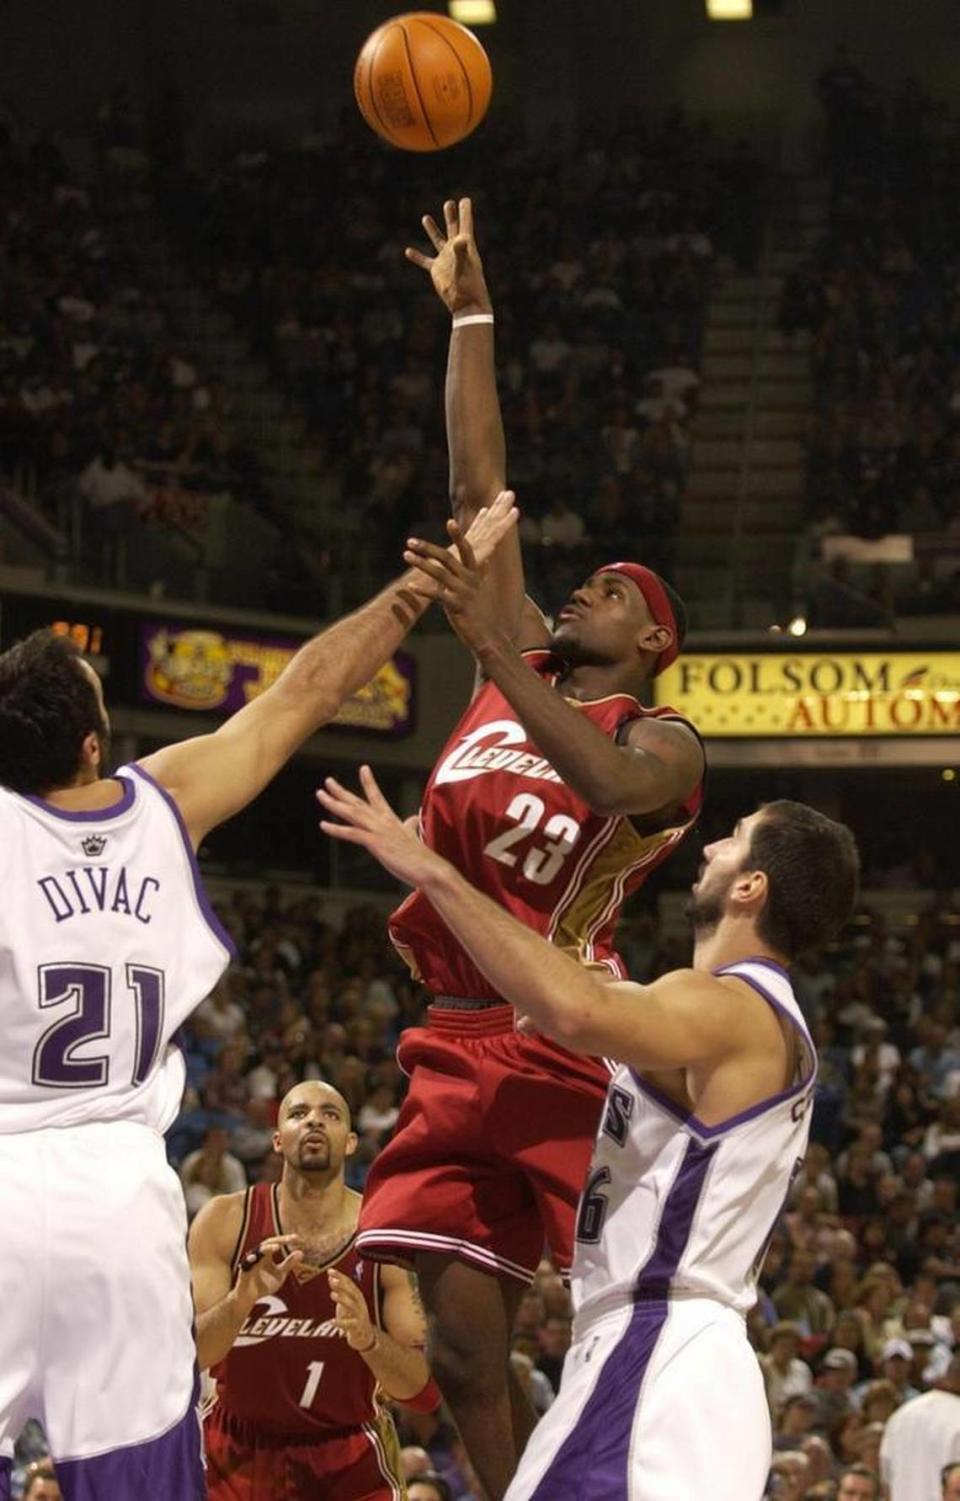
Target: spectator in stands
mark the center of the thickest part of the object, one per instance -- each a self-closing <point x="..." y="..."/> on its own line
<point x="429" y="1486"/>
<point x="838" y="1371"/>
<point x="378" y="1115"/>
<point x="784" y="1373"/>
<point x="40" y="1482"/>
<point x="858" y="1483"/>
<point x="878" y="1401"/>
<point x="845" y="1437"/>
<point x="554" y="1344"/>
<point x="532" y="1382"/>
<point x="794" y="1422"/>
<point x="894" y="1365"/>
<point x="789" y="1473"/>
<point x="950" y="1482"/>
<point x="211" y="1170"/>
<point x="798" y="1300"/>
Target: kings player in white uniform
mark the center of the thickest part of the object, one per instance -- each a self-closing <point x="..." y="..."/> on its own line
<point x="706" y="1121"/>
<point x="107" y="943"/>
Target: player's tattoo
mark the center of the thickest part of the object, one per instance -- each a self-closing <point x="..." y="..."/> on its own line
<point x="415" y="1295"/>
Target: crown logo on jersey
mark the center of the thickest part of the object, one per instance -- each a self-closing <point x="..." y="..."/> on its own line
<point x="94" y="844"/>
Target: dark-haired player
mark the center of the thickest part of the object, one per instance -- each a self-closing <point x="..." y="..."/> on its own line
<point x="303" y="1348"/>
<point x="705" y="1123"/>
<point x="107" y="943"/>
<point x="557" y="795"/>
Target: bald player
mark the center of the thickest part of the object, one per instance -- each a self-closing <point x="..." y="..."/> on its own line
<point x="304" y="1339"/>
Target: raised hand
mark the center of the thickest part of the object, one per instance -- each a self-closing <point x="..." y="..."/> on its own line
<point x="490" y="525"/>
<point x="261" y="1273"/>
<point x="487" y="530"/>
<point x="352" y="1314"/>
<point x="458" y="576"/>
<point x="456" y="269"/>
<point x="371" y="822"/>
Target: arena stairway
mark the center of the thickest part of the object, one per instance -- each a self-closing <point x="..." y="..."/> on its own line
<point x="743" y="505"/>
<point x="261" y="416"/>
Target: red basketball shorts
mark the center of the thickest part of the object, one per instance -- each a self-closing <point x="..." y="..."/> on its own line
<point x="491" y="1148"/>
<point x="360" y="1464"/>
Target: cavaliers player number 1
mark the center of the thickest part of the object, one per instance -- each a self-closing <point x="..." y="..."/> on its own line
<point x="304" y="1338"/>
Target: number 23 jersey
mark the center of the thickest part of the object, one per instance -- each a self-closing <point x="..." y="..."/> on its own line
<point x="496" y="809"/>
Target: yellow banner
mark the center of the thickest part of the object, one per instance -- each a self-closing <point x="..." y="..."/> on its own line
<point x="816" y="693"/>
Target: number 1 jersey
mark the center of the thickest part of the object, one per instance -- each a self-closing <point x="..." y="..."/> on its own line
<point x="496" y="809"/>
<point x="107" y="943"/>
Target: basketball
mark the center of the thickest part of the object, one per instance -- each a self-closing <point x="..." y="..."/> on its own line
<point x="422" y="81"/>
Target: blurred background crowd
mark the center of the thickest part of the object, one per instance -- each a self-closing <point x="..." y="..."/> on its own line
<point x="147" y="450"/>
<point x="601" y="265"/>
<point x="878" y="303"/>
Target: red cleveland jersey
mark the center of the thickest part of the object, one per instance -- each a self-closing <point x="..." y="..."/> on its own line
<point x="290" y="1370"/>
<point x="497" y="810"/>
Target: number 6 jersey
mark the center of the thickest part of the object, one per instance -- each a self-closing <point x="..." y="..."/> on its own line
<point x="107" y="943"/>
<point x="496" y="809"/>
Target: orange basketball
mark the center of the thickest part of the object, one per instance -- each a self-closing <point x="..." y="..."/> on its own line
<point x="422" y="81"/>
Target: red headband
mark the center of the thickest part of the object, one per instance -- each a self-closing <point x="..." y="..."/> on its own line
<point x="658" y="603"/>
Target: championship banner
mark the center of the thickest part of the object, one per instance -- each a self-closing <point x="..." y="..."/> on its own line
<point x="220" y="671"/>
<point x="815" y="693"/>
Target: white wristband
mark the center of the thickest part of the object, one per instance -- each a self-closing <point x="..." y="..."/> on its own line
<point x="460" y="320"/>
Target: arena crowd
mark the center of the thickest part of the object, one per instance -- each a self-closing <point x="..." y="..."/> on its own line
<point x="878" y="300"/>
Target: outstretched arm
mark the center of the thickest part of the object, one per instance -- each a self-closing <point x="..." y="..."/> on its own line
<point x="211" y="777"/>
<point x="683" y="1019"/>
<point x="656" y="768"/>
<point x="475" y="437"/>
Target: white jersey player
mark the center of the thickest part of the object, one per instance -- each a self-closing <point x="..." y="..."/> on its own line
<point x="107" y="943"/>
<point x="705" y="1123"/>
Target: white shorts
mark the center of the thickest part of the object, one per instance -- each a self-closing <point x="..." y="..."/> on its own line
<point x="96" y="1332"/>
<point x="659" y="1402"/>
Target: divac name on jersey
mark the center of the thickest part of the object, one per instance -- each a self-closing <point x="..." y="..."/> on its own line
<point x="489" y="749"/>
<point x="97" y="888"/>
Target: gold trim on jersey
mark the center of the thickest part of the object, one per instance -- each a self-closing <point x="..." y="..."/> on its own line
<point x="244" y="1227"/>
<point x="305" y="1272"/>
<point x="383" y="1436"/>
<point x="590" y="703"/>
<point x="377" y="1298"/>
<point x="406" y="953"/>
<point x="601" y="885"/>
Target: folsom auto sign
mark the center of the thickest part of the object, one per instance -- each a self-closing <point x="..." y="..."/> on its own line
<point x="816" y="693"/>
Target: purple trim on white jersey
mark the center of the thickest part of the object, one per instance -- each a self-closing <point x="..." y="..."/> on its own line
<point x="757" y="959"/>
<point x="170" y="1466"/>
<point x="664" y="1100"/>
<point x="676" y="1221"/>
<point x="594" y="1460"/>
<point x="687" y="1116"/>
<point x="94" y="815"/>
<point x="212" y="920"/>
<point x="797" y="1022"/>
<point x="6" y="1471"/>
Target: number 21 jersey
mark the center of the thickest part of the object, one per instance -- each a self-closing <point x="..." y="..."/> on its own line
<point x="497" y="810"/>
<point x="107" y="943"/>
